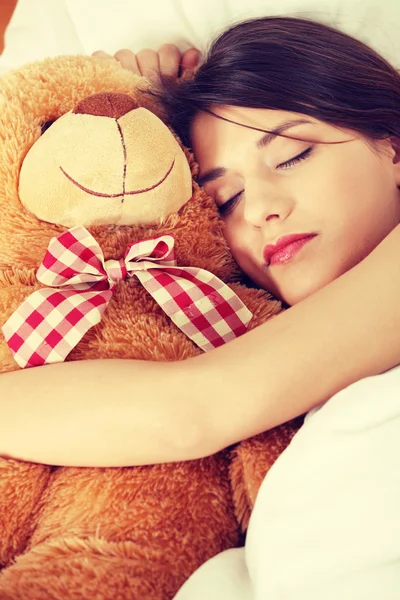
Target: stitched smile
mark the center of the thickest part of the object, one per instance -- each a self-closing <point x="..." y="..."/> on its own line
<point x="123" y="193"/>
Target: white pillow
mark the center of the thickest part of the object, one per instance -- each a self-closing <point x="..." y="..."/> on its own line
<point x="41" y="28"/>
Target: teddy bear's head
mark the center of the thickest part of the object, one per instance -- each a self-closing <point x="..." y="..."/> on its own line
<point x="83" y="144"/>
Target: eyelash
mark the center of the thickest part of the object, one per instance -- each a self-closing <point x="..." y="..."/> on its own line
<point x="229" y="205"/>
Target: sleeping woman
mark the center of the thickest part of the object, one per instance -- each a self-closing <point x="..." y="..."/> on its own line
<point x="296" y="130"/>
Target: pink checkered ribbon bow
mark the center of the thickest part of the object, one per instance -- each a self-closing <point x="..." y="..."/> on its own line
<point x="50" y="323"/>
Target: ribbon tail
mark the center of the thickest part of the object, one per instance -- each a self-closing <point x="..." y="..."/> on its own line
<point x="50" y="323"/>
<point x="202" y="306"/>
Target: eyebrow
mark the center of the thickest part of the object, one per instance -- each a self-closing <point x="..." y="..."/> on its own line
<point x="261" y="143"/>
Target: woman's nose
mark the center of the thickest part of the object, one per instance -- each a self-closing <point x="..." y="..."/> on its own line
<point x="264" y="204"/>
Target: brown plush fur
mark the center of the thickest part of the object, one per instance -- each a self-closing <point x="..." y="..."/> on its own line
<point x="123" y="533"/>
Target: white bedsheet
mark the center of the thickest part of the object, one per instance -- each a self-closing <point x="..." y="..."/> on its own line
<point x="326" y="523"/>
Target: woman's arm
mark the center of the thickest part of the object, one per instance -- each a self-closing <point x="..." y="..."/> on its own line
<point x="101" y="413"/>
<point x="124" y="412"/>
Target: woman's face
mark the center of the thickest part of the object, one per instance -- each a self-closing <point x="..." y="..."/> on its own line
<point x="338" y="200"/>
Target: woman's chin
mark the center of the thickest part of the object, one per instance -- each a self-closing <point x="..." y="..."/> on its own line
<point x="294" y="294"/>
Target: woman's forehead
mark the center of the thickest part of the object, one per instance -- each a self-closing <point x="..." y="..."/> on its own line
<point x="253" y="117"/>
<point x="214" y="130"/>
<point x="220" y="124"/>
<point x="257" y="118"/>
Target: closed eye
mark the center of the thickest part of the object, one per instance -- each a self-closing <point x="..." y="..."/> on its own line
<point x="229" y="205"/>
<point x="296" y="159"/>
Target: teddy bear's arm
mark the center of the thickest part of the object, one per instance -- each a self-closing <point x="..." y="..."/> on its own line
<point x="251" y="461"/>
<point x="252" y="458"/>
<point x="21" y="483"/>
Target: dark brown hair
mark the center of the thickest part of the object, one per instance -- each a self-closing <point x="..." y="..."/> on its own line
<point x="291" y="64"/>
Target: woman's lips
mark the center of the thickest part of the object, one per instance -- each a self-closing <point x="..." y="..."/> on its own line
<point x="285" y="248"/>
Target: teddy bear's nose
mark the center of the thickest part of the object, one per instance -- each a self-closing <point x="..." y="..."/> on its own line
<point x="106" y="105"/>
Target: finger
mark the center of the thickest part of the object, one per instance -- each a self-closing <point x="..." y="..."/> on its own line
<point x="101" y="54"/>
<point x="149" y="64"/>
<point x="170" y="58"/>
<point x="190" y="59"/>
<point x="128" y="61"/>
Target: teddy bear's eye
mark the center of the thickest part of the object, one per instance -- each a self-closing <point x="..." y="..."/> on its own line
<point x="45" y="126"/>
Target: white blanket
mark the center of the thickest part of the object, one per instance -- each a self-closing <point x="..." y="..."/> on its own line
<point x="41" y="28"/>
<point x="326" y="523"/>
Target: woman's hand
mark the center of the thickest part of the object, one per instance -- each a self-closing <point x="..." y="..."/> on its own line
<point x="167" y="61"/>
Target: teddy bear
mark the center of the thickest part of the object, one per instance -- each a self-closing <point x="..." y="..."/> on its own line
<point x="88" y="161"/>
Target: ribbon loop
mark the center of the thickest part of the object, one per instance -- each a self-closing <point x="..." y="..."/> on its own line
<point x="51" y="322"/>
